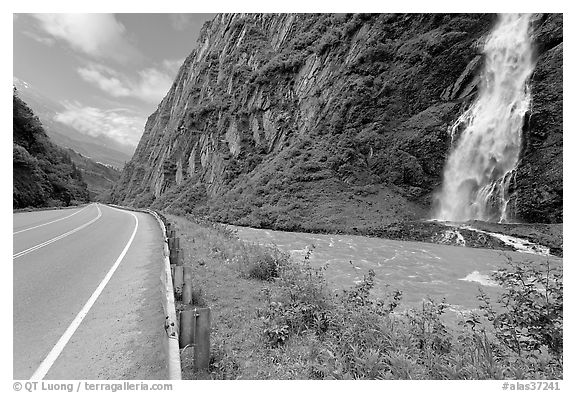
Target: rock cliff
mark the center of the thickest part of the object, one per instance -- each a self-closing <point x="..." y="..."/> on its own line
<point x="333" y="122"/>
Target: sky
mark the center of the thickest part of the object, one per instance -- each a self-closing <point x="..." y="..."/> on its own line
<point x="109" y="71"/>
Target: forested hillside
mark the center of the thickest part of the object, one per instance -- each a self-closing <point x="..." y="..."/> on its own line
<point x="43" y="174"/>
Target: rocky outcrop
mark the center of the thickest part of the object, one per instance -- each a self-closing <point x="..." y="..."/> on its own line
<point x="309" y="121"/>
<point x="538" y="187"/>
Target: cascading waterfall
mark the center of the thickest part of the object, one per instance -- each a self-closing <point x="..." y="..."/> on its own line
<point x="483" y="160"/>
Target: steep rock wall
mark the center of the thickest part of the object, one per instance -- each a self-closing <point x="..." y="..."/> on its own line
<point x="538" y="188"/>
<point x="310" y="121"/>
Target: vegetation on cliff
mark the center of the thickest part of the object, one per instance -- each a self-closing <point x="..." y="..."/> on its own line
<point x="43" y="174"/>
<point x="339" y="119"/>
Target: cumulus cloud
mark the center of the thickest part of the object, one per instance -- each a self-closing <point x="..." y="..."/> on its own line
<point x="119" y="124"/>
<point x="150" y="84"/>
<point x="106" y="79"/>
<point x="98" y="35"/>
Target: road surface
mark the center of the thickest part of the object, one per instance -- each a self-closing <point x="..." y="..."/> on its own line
<point x="87" y="295"/>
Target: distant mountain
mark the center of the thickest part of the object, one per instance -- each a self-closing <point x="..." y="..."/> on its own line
<point x="100" y="149"/>
<point x="43" y="173"/>
<point x="99" y="177"/>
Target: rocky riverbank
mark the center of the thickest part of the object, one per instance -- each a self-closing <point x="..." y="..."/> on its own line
<point x="477" y="234"/>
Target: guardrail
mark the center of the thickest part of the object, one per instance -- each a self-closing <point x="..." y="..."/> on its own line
<point x="188" y="329"/>
<point x="193" y="323"/>
<point x="171" y="340"/>
<point x="168" y="303"/>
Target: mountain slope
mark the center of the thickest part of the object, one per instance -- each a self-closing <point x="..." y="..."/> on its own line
<point x="326" y="122"/>
<point x="100" y="149"/>
<point x="43" y="174"/>
<point x="99" y="178"/>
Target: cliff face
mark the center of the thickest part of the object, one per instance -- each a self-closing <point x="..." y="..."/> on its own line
<point x="538" y="190"/>
<point x="325" y="121"/>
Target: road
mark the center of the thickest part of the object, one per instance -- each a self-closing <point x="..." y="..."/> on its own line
<point x="86" y="295"/>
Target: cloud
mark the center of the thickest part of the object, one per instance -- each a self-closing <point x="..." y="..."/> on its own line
<point x="36" y="37"/>
<point x="98" y="35"/>
<point x="150" y="84"/>
<point x="172" y="66"/>
<point x="119" y="124"/>
<point x="105" y="79"/>
<point x="180" y="21"/>
<point x="153" y="85"/>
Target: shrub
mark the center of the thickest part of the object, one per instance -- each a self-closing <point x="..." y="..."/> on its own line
<point x="301" y="305"/>
<point x="259" y="262"/>
<point x="359" y="337"/>
<point x="532" y="314"/>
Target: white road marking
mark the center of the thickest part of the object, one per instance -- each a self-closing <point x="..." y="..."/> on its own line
<point x="38" y="246"/>
<point x="41" y="225"/>
<point x="47" y="363"/>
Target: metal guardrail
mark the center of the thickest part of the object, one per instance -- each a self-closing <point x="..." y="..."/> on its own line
<point x="171" y="325"/>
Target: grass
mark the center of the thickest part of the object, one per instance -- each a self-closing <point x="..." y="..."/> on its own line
<point x="220" y="263"/>
<point x="274" y="317"/>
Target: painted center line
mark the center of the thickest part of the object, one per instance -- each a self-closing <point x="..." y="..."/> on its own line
<point x="38" y="246"/>
<point x="52" y="356"/>
<point x="41" y="225"/>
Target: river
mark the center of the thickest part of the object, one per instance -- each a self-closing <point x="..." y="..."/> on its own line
<point x="417" y="269"/>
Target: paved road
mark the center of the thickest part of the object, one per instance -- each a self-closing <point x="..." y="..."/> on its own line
<point x="87" y="295"/>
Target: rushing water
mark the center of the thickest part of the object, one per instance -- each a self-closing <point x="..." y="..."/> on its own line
<point x="417" y="269"/>
<point x="483" y="161"/>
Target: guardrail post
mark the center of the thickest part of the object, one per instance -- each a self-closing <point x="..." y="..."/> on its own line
<point x="187" y="287"/>
<point x="202" y="340"/>
<point x="175" y="252"/>
<point x="178" y="281"/>
<point x="187" y="327"/>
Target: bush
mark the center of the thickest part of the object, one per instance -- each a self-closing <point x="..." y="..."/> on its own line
<point x="359" y="337"/>
<point x="532" y="302"/>
<point x="258" y="262"/>
<point x="301" y="305"/>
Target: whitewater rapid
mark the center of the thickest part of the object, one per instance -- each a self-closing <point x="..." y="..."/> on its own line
<point x="488" y="135"/>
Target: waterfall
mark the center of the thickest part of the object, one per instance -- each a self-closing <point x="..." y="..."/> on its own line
<point x="487" y="136"/>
